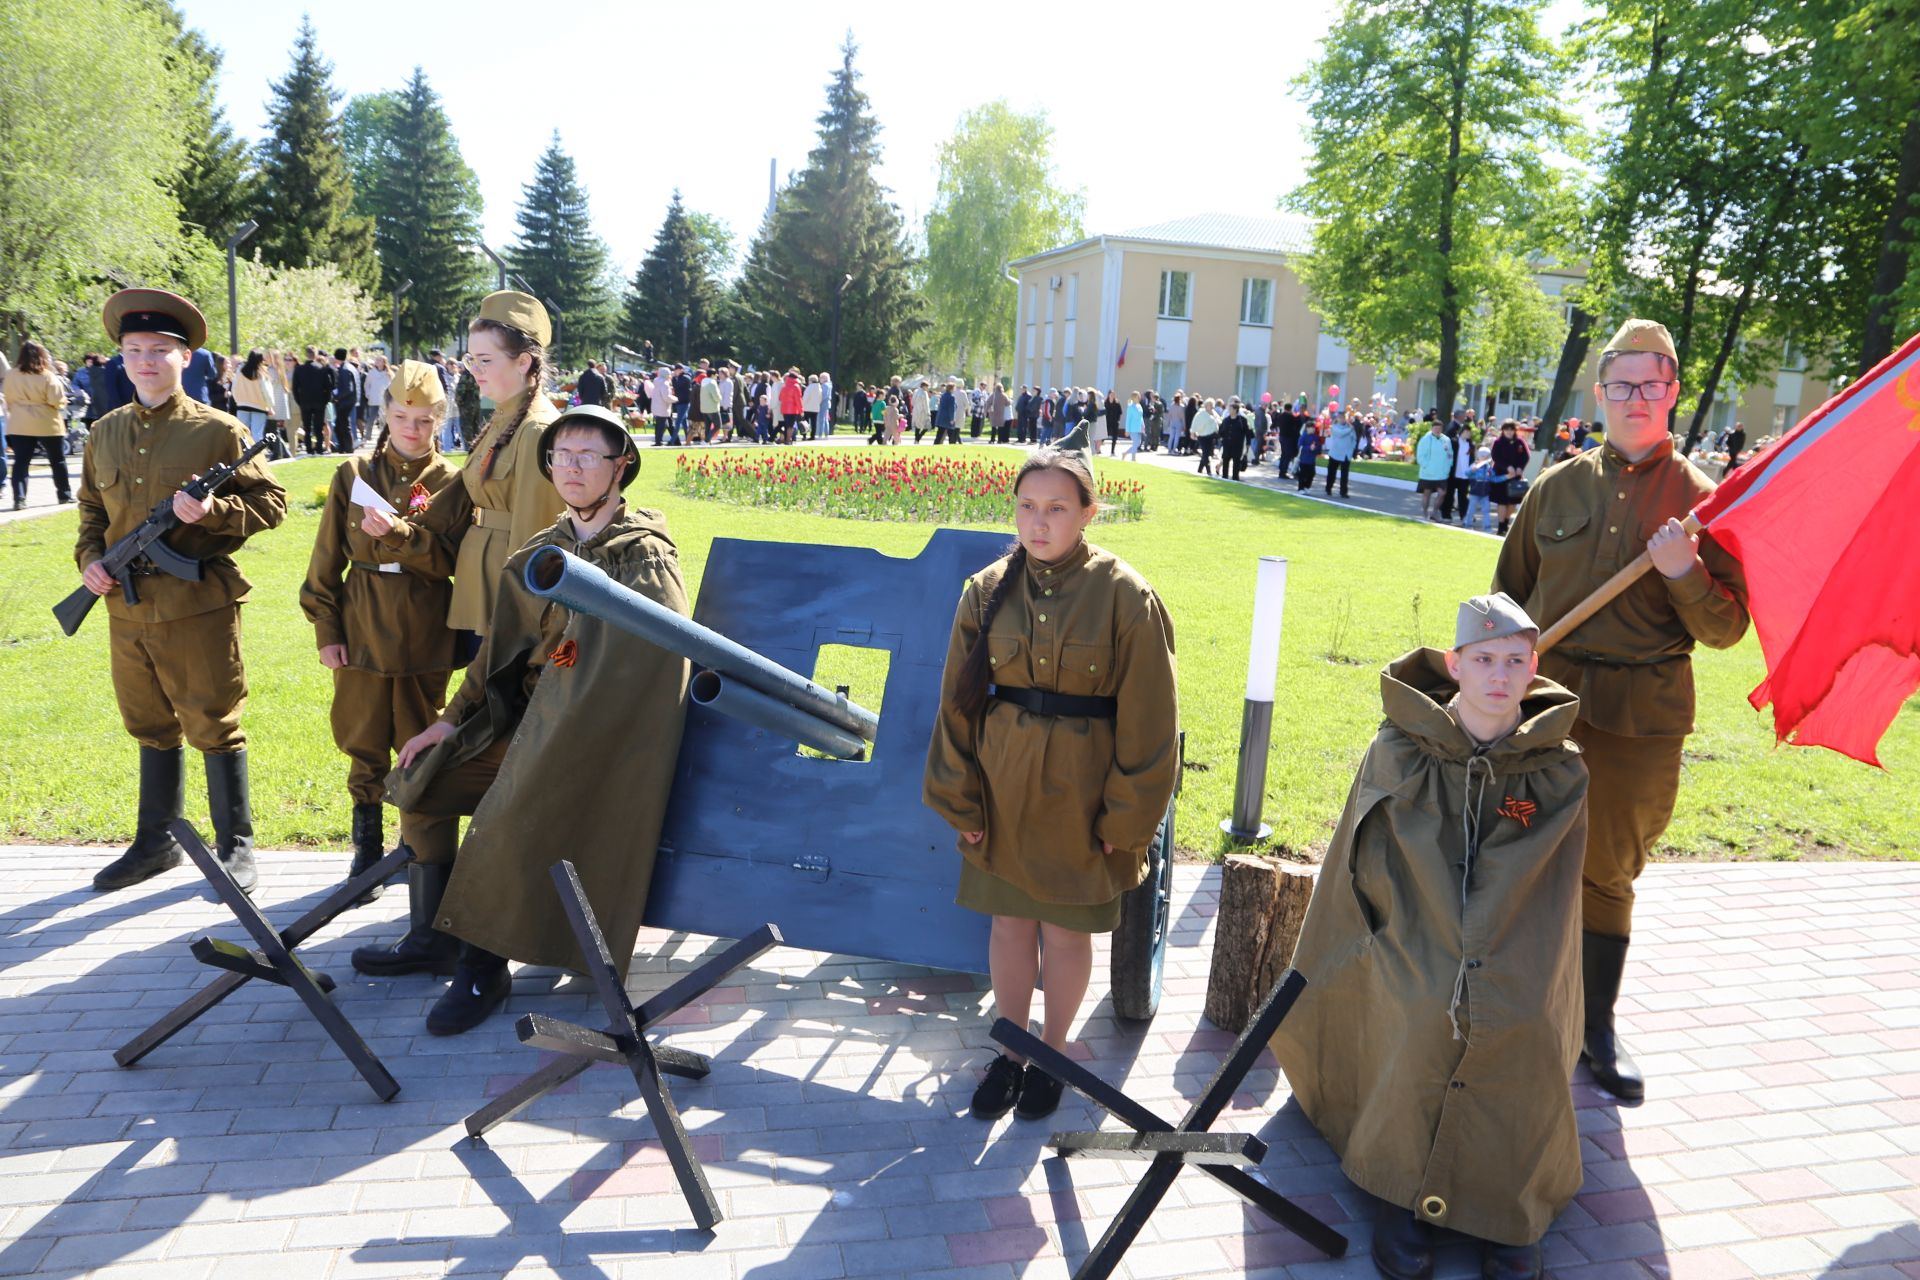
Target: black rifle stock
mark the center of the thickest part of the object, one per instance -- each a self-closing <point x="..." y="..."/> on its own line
<point x="147" y="540"/>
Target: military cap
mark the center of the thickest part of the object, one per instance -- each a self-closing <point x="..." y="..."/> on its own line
<point x="1076" y="443"/>
<point x="1643" y="335"/>
<point x="416" y="385"/>
<point x="154" y="311"/>
<point x="1491" y="617"/>
<point x="520" y="311"/>
<point x="591" y="415"/>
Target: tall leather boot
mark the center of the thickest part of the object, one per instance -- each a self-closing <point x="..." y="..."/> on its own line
<point x="480" y="983"/>
<point x="163" y="798"/>
<point x="424" y="949"/>
<point x="1402" y="1244"/>
<point x="1603" y="958"/>
<point x="369" y="841"/>
<point x="232" y="813"/>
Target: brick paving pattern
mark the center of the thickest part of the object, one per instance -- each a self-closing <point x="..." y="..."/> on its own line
<point x="1776" y="1009"/>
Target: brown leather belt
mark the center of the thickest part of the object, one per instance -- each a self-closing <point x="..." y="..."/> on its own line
<point x="488" y="518"/>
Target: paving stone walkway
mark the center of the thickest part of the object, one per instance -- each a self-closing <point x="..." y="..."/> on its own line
<point x="1776" y="1009"/>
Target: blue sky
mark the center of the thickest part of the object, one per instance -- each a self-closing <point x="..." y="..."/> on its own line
<point x="1153" y="122"/>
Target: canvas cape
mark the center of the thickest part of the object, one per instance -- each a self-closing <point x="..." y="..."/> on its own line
<point x="1473" y="1133"/>
<point x="592" y="754"/>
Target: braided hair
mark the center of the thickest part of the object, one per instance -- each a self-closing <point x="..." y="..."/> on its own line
<point x="516" y="343"/>
<point x="971" y="698"/>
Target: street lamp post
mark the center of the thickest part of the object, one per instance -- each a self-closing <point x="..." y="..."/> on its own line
<point x="240" y="233"/>
<point x="833" y="365"/>
<point x="398" y="294"/>
<point x="686" y="318"/>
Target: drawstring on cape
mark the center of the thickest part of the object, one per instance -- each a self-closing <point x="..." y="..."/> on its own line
<point x="1470" y="833"/>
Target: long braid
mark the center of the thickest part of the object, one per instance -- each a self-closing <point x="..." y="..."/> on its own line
<point x="535" y="380"/>
<point x="972" y="695"/>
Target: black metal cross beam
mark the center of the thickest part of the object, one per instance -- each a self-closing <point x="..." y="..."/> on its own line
<point x="1171" y="1148"/>
<point x="624" y="1041"/>
<point x="273" y="961"/>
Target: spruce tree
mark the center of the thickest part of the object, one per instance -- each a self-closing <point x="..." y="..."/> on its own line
<point x="834" y="220"/>
<point x="674" y="281"/>
<point x="560" y="258"/>
<point x="425" y="205"/>
<point x="218" y="185"/>
<point x="306" y="203"/>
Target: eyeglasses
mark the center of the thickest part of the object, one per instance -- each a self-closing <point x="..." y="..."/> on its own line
<point x="473" y="361"/>
<point x="1628" y="390"/>
<point x="578" y="459"/>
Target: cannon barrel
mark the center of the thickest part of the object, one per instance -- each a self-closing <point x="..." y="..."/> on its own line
<point x="557" y="575"/>
<point x="750" y="706"/>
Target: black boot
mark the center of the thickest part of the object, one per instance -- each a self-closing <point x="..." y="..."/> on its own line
<point x="163" y="798"/>
<point x="1509" y="1261"/>
<point x="1402" y="1244"/>
<point x="232" y="812"/>
<point x="480" y="983"/>
<point x="369" y="846"/>
<point x="424" y="949"/>
<point x="1603" y="958"/>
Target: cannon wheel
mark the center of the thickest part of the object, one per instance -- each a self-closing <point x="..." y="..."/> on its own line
<point x="1140" y="942"/>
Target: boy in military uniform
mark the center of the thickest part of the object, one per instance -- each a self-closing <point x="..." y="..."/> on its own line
<point x="1440" y="1022"/>
<point x="1630" y="664"/>
<point x="175" y="655"/>
<point x="377" y="590"/>
<point x="539" y="745"/>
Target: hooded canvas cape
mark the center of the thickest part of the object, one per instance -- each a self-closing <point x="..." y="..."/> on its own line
<point x="1473" y="1133"/>
<point x="591" y="759"/>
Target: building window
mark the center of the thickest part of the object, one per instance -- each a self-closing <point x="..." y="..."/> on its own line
<point x="1169" y="376"/>
<point x="1249" y="381"/>
<point x="1176" y="295"/>
<point x="1327" y="380"/>
<point x="1425" y="395"/>
<point x="1066" y="371"/>
<point x="1073" y="296"/>
<point x="1781" y="412"/>
<point x="1256" y="302"/>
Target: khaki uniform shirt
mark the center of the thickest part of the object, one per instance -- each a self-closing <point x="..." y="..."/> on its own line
<point x="505" y="509"/>
<point x="1581" y="522"/>
<point x="137" y="457"/>
<point x="384" y="598"/>
<point x="1049" y="790"/>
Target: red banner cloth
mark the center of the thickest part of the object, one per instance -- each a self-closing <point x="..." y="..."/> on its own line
<point x="1826" y="524"/>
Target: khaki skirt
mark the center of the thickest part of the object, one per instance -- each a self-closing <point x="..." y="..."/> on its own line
<point x="988" y="894"/>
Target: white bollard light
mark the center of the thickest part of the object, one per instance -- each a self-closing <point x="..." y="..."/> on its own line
<point x="1256" y="718"/>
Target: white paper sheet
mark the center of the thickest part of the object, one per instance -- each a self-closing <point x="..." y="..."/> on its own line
<point x="367" y="496"/>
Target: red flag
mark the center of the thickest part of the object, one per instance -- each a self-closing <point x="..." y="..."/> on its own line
<point x="1826" y="524"/>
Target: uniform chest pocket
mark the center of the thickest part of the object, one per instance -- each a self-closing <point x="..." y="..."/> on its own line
<point x="1086" y="668"/>
<point x="1006" y="662"/>
<point x="106" y="477"/>
<point x="1561" y="528"/>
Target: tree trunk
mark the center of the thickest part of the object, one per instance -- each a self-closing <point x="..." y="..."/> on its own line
<point x="1896" y="254"/>
<point x="1727" y="339"/>
<point x="1573" y="356"/>
<point x="1262" y="906"/>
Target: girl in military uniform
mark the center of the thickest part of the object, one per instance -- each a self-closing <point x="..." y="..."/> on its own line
<point x="504" y="499"/>
<point x="377" y="591"/>
<point x="1055" y="753"/>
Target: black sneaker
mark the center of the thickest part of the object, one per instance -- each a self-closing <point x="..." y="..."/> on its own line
<point x="997" y="1093"/>
<point x="476" y="991"/>
<point x="1039" y="1095"/>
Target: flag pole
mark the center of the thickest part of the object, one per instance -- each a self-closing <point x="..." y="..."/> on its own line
<point x="1604" y="595"/>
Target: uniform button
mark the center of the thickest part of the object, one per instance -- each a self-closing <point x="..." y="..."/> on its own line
<point x="1047" y="592"/>
<point x="1043" y="662"/>
<point x="1559" y="533"/>
<point x="143" y="452"/>
<point x="993" y="662"/>
<point x="1621" y="496"/>
<point x="139" y="480"/>
<point x="1091" y="667"/>
<point x="1043" y="617"/>
<point x="1613" y="528"/>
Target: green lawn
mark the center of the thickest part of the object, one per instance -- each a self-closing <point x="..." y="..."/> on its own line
<point x="1361" y="591"/>
<point x="1393" y="470"/>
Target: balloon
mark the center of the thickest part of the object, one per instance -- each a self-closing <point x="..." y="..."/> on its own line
<point x="1333" y="393"/>
<point x="1266" y="397"/>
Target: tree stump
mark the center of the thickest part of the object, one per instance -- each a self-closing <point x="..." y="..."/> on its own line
<point x="1262" y="905"/>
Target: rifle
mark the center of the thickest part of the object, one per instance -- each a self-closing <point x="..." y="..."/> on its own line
<point x="147" y="541"/>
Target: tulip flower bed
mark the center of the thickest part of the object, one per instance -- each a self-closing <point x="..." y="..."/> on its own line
<point x="874" y="485"/>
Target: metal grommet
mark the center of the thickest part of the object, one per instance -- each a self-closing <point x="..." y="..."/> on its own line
<point x="1433" y="1207"/>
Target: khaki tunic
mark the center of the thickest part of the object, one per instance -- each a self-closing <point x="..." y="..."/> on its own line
<point x="1629" y="664"/>
<point x="175" y="656"/>
<point x="1475" y="1133"/>
<point x="504" y="508"/>
<point x="1048" y="790"/>
<point x="590" y="751"/>
<point x="393" y="624"/>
